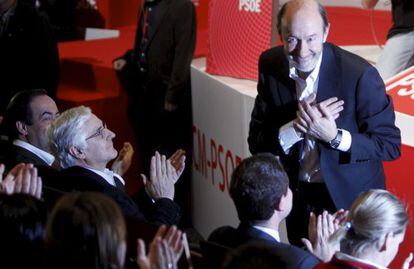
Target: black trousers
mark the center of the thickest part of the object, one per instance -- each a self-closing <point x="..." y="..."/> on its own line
<point x="307" y="198"/>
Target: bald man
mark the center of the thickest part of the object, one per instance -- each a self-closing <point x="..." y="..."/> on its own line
<point x="325" y="112"/>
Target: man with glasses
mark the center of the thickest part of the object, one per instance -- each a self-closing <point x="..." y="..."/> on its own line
<point x="83" y="145"/>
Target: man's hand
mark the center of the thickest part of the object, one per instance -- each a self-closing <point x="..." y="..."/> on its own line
<point x="124" y="159"/>
<point x="163" y="176"/>
<point x="165" y="249"/>
<point x="21" y="179"/>
<point x="178" y="160"/>
<point x="317" y="121"/>
<point x="320" y="229"/>
<point x="168" y="106"/>
<point x="119" y="64"/>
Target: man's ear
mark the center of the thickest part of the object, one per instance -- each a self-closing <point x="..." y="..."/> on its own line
<point x="282" y="203"/>
<point x="21" y="128"/>
<point x="325" y="34"/>
<point x="77" y="152"/>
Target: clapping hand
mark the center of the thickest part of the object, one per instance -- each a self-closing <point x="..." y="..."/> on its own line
<point x="320" y="229"/>
<point x="164" y="252"/>
<point x="124" y="159"/>
<point x="163" y="176"/>
<point x="22" y="178"/>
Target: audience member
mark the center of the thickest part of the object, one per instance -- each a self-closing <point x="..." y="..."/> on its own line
<point x="372" y="234"/>
<point x="22" y="230"/>
<point x="398" y="53"/>
<point x="83" y="145"/>
<point x="87" y="230"/>
<point x="26" y="119"/>
<point x="260" y="191"/>
<point x="325" y="112"/>
<point x="28" y="51"/>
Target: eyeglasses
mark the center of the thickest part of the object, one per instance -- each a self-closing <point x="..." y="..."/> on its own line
<point x="99" y="132"/>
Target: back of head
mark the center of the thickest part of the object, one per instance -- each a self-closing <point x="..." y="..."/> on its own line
<point x="257" y="185"/>
<point x="372" y="216"/>
<point x="66" y="131"/>
<point x="22" y="229"/>
<point x="85" y="230"/>
<point x="18" y="109"/>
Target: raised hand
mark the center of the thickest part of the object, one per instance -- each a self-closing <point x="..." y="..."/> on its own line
<point x="320" y="229"/>
<point x="124" y="159"/>
<point x="164" y="252"/>
<point x="22" y="178"/>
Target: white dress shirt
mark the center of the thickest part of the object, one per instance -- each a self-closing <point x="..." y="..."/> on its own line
<point x="45" y="156"/>
<point x="310" y="170"/>
<point x="108" y="175"/>
<point x="269" y="231"/>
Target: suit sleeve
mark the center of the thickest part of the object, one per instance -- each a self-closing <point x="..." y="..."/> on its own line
<point x="185" y="39"/>
<point x="264" y="125"/>
<point x="377" y="138"/>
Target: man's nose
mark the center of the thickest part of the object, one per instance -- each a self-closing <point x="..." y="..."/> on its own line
<point x="302" y="48"/>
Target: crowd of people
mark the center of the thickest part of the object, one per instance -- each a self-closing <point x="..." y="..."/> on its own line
<point x="321" y="126"/>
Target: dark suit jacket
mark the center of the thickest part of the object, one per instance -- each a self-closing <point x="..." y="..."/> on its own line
<point x="290" y="255"/>
<point x="368" y="115"/>
<point x="28" y="53"/>
<point x="77" y="178"/>
<point x="171" y="45"/>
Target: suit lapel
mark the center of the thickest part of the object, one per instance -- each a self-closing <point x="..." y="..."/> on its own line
<point x="329" y="75"/>
<point x="162" y="9"/>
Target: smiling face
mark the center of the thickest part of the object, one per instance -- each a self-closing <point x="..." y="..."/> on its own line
<point x="43" y="111"/>
<point x="100" y="149"/>
<point x="303" y="34"/>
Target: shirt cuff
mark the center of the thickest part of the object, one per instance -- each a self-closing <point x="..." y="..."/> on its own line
<point x="288" y="136"/>
<point x="346" y="141"/>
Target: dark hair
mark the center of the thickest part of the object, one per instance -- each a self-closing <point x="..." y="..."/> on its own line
<point x="257" y="185"/>
<point x="22" y="230"/>
<point x="282" y="12"/>
<point x="85" y="230"/>
<point x="254" y="255"/>
<point x="18" y="109"/>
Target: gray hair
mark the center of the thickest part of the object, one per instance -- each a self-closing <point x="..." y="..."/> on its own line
<point x="66" y="131"/>
<point x="372" y="216"/>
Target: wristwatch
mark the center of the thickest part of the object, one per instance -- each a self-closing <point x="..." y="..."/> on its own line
<point x="334" y="143"/>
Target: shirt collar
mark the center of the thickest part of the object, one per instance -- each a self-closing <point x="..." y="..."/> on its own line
<point x="45" y="156"/>
<point x="108" y="175"/>
<point x="269" y="231"/>
<point x="294" y="74"/>
<point x="348" y="258"/>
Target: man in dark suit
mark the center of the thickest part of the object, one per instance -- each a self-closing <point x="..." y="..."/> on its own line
<point x="26" y="119"/>
<point x="28" y="51"/>
<point x="157" y="74"/>
<point x="260" y="191"/>
<point x="83" y="145"/>
<point x="325" y="112"/>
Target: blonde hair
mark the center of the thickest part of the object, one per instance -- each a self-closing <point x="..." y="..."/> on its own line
<point x="372" y="216"/>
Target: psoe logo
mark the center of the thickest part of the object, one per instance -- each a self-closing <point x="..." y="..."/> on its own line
<point x="250" y="5"/>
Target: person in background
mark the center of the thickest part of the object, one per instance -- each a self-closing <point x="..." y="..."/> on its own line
<point x="28" y="51"/>
<point x="398" y="53"/>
